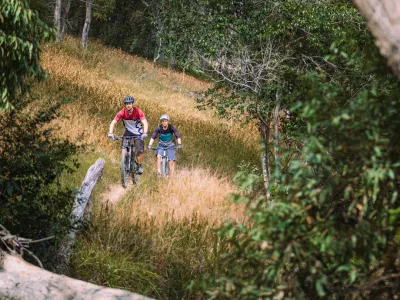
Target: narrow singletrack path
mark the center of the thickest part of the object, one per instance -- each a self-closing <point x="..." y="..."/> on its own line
<point x="113" y="193"/>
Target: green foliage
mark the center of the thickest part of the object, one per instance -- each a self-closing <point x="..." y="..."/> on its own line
<point x="21" y="31"/>
<point x="251" y="46"/>
<point x="45" y="12"/>
<point x="126" y="25"/>
<point x="331" y="231"/>
<point x="31" y="159"/>
<point x="103" y="9"/>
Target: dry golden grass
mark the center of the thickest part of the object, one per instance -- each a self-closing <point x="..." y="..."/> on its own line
<point x="192" y="191"/>
<point x="101" y="78"/>
<point x="115" y="74"/>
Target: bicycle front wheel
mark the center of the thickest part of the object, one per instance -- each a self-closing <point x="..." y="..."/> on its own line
<point x="164" y="167"/>
<point x="125" y="169"/>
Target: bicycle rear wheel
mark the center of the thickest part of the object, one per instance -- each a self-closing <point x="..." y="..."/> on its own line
<point x="125" y="169"/>
<point x="135" y="178"/>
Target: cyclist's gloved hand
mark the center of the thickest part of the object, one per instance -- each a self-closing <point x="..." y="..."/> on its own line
<point x="179" y="146"/>
<point x="144" y="135"/>
<point x="111" y="136"/>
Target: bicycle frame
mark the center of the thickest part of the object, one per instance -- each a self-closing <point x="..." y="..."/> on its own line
<point x="129" y="163"/>
<point x="164" y="160"/>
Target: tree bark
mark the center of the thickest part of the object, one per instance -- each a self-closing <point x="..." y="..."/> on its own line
<point x="21" y="280"/>
<point x="64" y="19"/>
<point x="57" y="21"/>
<point x="264" y="130"/>
<point x="172" y="62"/>
<point x="81" y="201"/>
<point x="276" y="131"/>
<point x="383" y="19"/>
<point x="86" y="26"/>
<point x="159" y="51"/>
<point x="203" y="63"/>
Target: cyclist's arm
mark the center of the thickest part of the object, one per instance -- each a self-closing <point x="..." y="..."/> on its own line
<point x="112" y="125"/>
<point x="177" y="135"/>
<point x="153" y="136"/>
<point x="145" y="125"/>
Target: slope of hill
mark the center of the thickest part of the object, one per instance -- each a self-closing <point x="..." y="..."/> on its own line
<point x="155" y="237"/>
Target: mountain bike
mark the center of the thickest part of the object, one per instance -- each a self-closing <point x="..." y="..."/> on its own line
<point x="164" y="167"/>
<point x="129" y="163"/>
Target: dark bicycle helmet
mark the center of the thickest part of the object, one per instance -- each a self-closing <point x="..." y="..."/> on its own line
<point x="129" y="99"/>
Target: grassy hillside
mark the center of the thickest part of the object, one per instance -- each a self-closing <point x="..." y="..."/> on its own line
<point x="155" y="237"/>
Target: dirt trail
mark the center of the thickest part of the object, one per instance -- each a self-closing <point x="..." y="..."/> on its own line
<point x="113" y="193"/>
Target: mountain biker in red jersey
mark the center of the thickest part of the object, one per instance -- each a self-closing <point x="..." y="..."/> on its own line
<point x="166" y="134"/>
<point x="135" y="124"/>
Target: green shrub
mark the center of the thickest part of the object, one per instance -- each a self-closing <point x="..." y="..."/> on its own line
<point x="331" y="231"/>
<point x="31" y="159"/>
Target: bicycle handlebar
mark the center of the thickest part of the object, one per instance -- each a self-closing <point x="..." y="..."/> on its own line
<point x="165" y="148"/>
<point x="127" y="137"/>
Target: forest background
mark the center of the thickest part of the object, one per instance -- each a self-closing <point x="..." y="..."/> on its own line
<point x="306" y="82"/>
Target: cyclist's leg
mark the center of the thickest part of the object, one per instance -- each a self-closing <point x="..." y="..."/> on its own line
<point x="139" y="147"/>
<point x="159" y="154"/>
<point x="171" y="160"/>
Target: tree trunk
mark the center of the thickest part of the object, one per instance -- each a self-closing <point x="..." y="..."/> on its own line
<point x="64" y="19"/>
<point x="276" y="131"/>
<point x="203" y="63"/>
<point x="159" y="51"/>
<point x="220" y="60"/>
<point x="172" y="62"/>
<point x="81" y="201"/>
<point x="382" y="17"/>
<point x="86" y="26"/>
<point x="57" y="21"/>
<point x="264" y="130"/>
<point x="21" y="280"/>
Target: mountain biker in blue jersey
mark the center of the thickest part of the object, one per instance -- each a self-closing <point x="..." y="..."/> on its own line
<point x="166" y="133"/>
<point x="135" y="125"/>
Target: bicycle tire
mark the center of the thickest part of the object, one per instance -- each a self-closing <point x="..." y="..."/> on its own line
<point x="135" y="178"/>
<point x="135" y="174"/>
<point x="124" y="168"/>
<point x="164" y="167"/>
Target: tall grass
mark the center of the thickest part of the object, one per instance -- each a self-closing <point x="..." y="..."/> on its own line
<point x="160" y="234"/>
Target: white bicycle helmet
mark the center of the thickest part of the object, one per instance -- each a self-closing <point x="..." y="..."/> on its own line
<point x="164" y="117"/>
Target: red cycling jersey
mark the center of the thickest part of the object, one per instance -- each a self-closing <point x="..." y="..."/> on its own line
<point x="131" y="121"/>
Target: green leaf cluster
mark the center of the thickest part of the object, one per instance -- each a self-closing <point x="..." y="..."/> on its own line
<point x="21" y="31"/>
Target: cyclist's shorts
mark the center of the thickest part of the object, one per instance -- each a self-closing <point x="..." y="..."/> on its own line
<point x="170" y="153"/>
<point x="139" y="144"/>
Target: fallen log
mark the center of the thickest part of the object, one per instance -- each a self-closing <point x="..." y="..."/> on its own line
<point x="22" y="280"/>
<point x="82" y="199"/>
